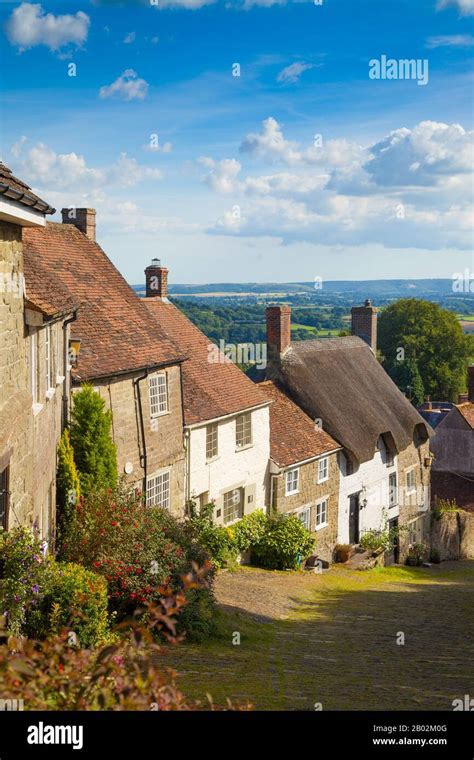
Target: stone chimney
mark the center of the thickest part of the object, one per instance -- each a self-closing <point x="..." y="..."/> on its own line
<point x="82" y="218"/>
<point x="156" y="280"/>
<point x="364" y="323"/>
<point x="470" y="383"/>
<point x="278" y="331"/>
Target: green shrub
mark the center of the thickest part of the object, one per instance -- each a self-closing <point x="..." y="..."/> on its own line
<point x="284" y="545"/>
<point x="373" y="539"/>
<point x="250" y="530"/>
<point x="197" y="619"/>
<point x="23" y="575"/>
<point x="445" y="506"/>
<point x="94" y="451"/>
<point x="217" y="541"/>
<point x="68" y="485"/>
<point x="74" y="598"/>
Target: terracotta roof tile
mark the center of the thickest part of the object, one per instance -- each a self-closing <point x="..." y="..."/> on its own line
<point x="43" y="290"/>
<point x="117" y="332"/>
<point x="19" y="191"/>
<point x="210" y="389"/>
<point x="467" y="411"/>
<point x="294" y="437"/>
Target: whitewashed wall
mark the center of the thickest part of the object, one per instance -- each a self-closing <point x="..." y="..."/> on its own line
<point x="371" y="479"/>
<point x="232" y="468"/>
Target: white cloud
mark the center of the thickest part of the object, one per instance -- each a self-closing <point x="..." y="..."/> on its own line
<point x="157" y="147"/>
<point x="293" y="72"/>
<point x="29" y="25"/>
<point x="190" y="5"/>
<point x="17" y="147"/>
<point x="223" y="175"/>
<point x="70" y="171"/>
<point x="129" y="38"/>
<point x="450" y="40"/>
<point x="270" y="145"/>
<point x="465" y="6"/>
<point x="128" y="86"/>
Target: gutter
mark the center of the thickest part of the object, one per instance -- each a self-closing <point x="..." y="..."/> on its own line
<point x="143" y="457"/>
<point x="26" y="199"/>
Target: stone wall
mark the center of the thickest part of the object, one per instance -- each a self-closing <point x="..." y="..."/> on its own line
<point x="414" y="506"/>
<point x="452" y="535"/>
<point x="15" y="399"/>
<point x="310" y="492"/>
<point x="163" y="435"/>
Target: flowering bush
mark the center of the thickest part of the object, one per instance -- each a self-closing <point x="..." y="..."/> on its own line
<point x="24" y="570"/>
<point x="137" y="549"/>
<point x="284" y="545"/>
<point x="250" y="530"/>
<point x="72" y="597"/>
<point x="218" y="542"/>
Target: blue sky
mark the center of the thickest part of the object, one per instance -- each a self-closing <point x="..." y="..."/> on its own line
<point x="300" y="167"/>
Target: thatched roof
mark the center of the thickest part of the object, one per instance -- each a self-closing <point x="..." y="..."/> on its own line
<point x="340" y="381"/>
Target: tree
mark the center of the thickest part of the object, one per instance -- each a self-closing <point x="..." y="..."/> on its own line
<point x="94" y="451"/>
<point x="407" y="376"/>
<point x="413" y="329"/>
<point x="68" y="484"/>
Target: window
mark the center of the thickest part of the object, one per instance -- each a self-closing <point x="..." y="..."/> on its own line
<point x="392" y="490"/>
<point x="233" y="505"/>
<point x="292" y="482"/>
<point x="35" y="375"/>
<point x="321" y="514"/>
<point x="48" y="353"/>
<point x="158" y="490"/>
<point x="411" y="481"/>
<point x="243" y="432"/>
<point x="211" y="441"/>
<point x="158" y="394"/>
<point x="323" y="470"/>
<point x="305" y="517"/>
<point x="4" y="498"/>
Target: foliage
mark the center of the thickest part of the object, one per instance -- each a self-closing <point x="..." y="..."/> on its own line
<point x="443" y="506"/>
<point x="217" y="541"/>
<point x="250" y="530"/>
<point x="374" y="539"/>
<point x="24" y="574"/>
<point x="94" y="451"/>
<point x="123" y="676"/>
<point x="68" y="489"/>
<point x="73" y="597"/>
<point x="418" y="552"/>
<point x="407" y="376"/>
<point x="137" y="548"/>
<point x="433" y="337"/>
<point x="284" y="545"/>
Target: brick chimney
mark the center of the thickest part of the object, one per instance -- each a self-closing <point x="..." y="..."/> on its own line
<point x="364" y="323"/>
<point x="278" y="331"/>
<point x="470" y="383"/>
<point x="82" y="218"/>
<point x="156" y="280"/>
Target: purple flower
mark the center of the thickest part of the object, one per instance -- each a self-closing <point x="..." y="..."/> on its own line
<point x="35" y="589"/>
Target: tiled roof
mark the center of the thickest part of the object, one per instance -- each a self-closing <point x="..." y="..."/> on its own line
<point x="17" y="190"/>
<point x="43" y="290"/>
<point x="467" y="411"/>
<point x="294" y="437"/>
<point x="210" y="389"/>
<point x="117" y="332"/>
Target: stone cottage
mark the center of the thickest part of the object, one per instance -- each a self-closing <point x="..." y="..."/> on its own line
<point x="35" y="317"/>
<point x="384" y="461"/>
<point x="227" y="433"/>
<point x="124" y="354"/>
<point x="304" y="469"/>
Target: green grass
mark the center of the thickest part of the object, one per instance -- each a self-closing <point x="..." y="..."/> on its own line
<point x="338" y="644"/>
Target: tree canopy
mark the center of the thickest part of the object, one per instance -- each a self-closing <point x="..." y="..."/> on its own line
<point x="431" y="342"/>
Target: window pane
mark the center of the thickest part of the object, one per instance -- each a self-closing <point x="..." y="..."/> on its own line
<point x="211" y="441"/>
<point x="158" y="491"/>
<point x="233" y="506"/>
<point x="243" y="430"/>
<point x="158" y="394"/>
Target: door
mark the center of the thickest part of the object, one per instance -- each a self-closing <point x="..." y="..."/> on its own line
<point x="393" y="557"/>
<point x="354" y="518"/>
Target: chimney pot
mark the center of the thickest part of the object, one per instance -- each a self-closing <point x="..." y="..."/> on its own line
<point x="82" y="218"/>
<point x="364" y="323"/>
<point x="156" y="280"/>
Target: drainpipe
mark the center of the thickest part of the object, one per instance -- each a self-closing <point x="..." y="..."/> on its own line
<point x="67" y="379"/>
<point x="143" y="457"/>
<point x="187" y="446"/>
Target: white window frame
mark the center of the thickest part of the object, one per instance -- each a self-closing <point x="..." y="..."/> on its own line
<point x="243" y="439"/>
<point x="158" y="394"/>
<point x="323" y="464"/>
<point x="319" y="525"/>
<point x="392" y="491"/>
<point x="228" y="496"/>
<point x="408" y="474"/>
<point x="212" y="441"/>
<point x="304" y="516"/>
<point x="292" y="481"/>
<point x="48" y="358"/>
<point x="35" y="374"/>
<point x="158" y="489"/>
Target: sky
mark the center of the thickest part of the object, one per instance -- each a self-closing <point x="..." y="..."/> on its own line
<point x="250" y="140"/>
